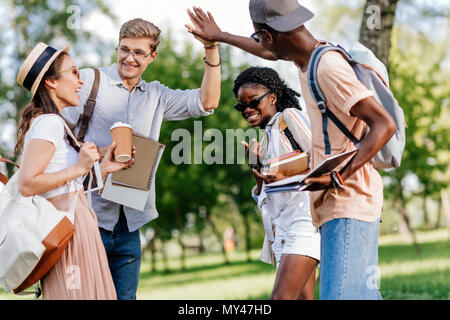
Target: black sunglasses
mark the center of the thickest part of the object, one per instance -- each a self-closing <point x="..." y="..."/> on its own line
<point x="252" y="104"/>
<point x="255" y="36"/>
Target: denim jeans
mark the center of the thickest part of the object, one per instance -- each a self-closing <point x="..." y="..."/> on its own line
<point x="349" y="260"/>
<point x="124" y="256"/>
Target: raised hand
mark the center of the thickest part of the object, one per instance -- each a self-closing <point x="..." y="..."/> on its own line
<point x="205" y="28"/>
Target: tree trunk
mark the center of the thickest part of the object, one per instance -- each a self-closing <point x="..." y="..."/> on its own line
<point x="180" y="224"/>
<point x="219" y="238"/>
<point x="165" y="258"/>
<point x="376" y="27"/>
<point x="439" y="216"/>
<point x="183" y="250"/>
<point x="153" y="255"/>
<point x="405" y="221"/>
<point x="201" y="245"/>
<point x="446" y="208"/>
<point x="247" y="237"/>
<point x="426" y="219"/>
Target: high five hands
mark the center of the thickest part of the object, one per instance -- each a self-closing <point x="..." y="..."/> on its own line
<point x="206" y="30"/>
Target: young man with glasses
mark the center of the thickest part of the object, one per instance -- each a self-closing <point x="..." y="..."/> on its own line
<point x="347" y="213"/>
<point x="123" y="96"/>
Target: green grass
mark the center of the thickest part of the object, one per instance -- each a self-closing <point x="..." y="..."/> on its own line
<point x="404" y="273"/>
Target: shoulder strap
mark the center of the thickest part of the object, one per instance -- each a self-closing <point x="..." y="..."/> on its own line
<point x="89" y="106"/>
<point x="4" y="179"/>
<point x="284" y="127"/>
<point x="319" y="97"/>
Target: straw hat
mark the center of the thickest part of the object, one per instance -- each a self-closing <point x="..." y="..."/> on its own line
<point x="36" y="65"/>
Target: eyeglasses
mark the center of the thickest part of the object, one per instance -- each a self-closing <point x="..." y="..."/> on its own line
<point x="255" y="36"/>
<point x="123" y="53"/>
<point x="252" y="104"/>
<point x="75" y="71"/>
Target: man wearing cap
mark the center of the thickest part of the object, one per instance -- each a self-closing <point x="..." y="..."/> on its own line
<point x="349" y="216"/>
<point x="124" y="97"/>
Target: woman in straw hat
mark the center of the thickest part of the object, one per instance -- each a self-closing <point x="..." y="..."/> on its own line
<point x="53" y="167"/>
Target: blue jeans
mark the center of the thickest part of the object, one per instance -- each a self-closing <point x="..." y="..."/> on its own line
<point x="349" y="260"/>
<point x="124" y="256"/>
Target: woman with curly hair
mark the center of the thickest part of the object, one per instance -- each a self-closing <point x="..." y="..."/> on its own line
<point x="265" y="101"/>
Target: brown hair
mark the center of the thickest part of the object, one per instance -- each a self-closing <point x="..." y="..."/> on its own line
<point x="139" y="28"/>
<point x="41" y="103"/>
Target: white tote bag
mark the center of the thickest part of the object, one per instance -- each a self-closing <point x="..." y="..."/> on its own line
<point x="33" y="233"/>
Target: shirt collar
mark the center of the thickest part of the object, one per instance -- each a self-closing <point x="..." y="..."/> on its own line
<point x="272" y="120"/>
<point x="115" y="79"/>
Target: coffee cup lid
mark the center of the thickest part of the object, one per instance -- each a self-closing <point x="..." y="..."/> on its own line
<point x="120" y="124"/>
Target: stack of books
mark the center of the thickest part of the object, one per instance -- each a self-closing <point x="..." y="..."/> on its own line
<point x="297" y="182"/>
<point x="288" y="164"/>
<point x="131" y="186"/>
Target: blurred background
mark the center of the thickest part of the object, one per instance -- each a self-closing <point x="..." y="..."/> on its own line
<point x="205" y="244"/>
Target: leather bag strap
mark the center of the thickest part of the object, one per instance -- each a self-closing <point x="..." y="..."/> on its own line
<point x="4" y="179"/>
<point x="89" y="107"/>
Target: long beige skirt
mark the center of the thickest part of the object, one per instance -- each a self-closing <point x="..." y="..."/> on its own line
<point x="82" y="272"/>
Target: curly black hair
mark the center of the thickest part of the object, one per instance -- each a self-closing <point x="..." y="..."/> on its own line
<point x="253" y="76"/>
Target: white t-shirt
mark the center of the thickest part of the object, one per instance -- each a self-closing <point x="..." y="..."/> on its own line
<point x="50" y="127"/>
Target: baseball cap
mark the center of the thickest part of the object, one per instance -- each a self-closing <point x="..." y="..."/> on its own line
<point x="280" y="15"/>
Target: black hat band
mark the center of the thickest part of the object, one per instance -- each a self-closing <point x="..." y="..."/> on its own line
<point x="37" y="67"/>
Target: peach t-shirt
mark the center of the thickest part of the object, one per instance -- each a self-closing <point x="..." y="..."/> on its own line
<point x="362" y="195"/>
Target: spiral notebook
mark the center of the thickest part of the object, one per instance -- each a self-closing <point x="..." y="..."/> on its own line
<point x="142" y="172"/>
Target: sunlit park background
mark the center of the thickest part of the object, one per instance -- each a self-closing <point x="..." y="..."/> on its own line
<point x="206" y="242"/>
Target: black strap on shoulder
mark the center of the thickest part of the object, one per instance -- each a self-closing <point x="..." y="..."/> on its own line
<point x="291" y="139"/>
<point x="89" y="107"/>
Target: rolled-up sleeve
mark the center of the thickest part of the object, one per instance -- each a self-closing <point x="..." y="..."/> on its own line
<point x="183" y="104"/>
<point x="339" y="83"/>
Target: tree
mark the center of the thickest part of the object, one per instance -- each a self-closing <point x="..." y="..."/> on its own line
<point x="419" y="82"/>
<point x="53" y="22"/>
<point x="376" y="27"/>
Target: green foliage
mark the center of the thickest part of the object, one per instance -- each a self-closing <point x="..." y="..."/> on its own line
<point x="420" y="83"/>
<point x="48" y="21"/>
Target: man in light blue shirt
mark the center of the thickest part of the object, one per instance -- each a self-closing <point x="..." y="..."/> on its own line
<point x="124" y="96"/>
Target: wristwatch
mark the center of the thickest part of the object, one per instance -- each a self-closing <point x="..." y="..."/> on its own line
<point x="336" y="180"/>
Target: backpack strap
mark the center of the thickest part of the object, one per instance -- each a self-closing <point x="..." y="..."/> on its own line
<point x="4" y="179"/>
<point x="319" y="97"/>
<point x="89" y="107"/>
<point x="288" y="134"/>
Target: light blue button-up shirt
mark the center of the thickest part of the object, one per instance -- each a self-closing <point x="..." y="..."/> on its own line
<point x="144" y="107"/>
